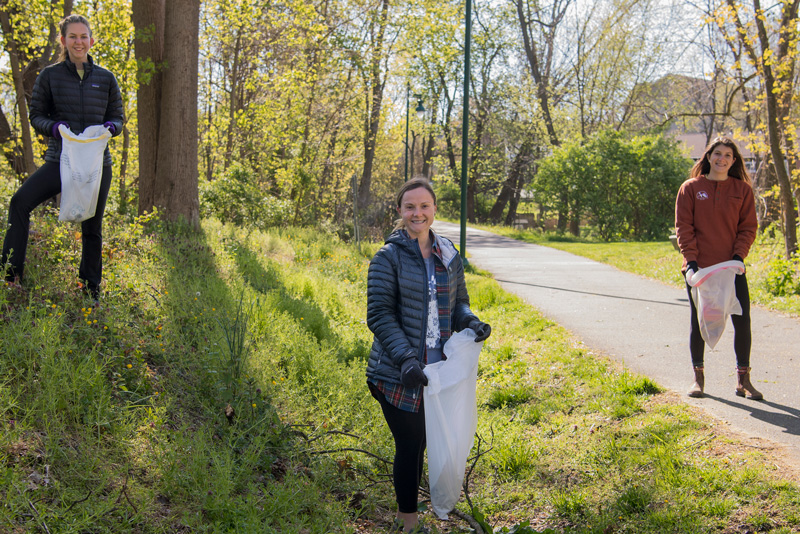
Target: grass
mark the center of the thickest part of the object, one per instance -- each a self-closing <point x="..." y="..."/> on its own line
<point x="219" y="387"/>
<point x="660" y="261"/>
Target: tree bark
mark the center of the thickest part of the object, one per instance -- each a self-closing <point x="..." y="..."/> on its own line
<point x="512" y="183"/>
<point x="148" y="18"/>
<point x="774" y="123"/>
<point x="167" y="39"/>
<point x="377" y="84"/>
<point x="448" y="132"/>
<point x="19" y="89"/>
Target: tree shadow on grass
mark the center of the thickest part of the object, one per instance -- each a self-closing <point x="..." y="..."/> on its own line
<point x="306" y="313"/>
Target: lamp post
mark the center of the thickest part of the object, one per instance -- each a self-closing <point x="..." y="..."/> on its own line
<point x="420" y="111"/>
<point x="465" y="133"/>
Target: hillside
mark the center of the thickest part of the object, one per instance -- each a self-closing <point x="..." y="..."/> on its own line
<point x="218" y="387"/>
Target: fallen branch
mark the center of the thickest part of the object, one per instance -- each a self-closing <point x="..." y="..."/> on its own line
<point x="77" y="502"/>
<point x="36" y="515"/>
<point x="471" y="520"/>
<point x="351" y="449"/>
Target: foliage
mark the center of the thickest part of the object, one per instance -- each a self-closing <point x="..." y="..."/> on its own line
<point x="783" y="277"/>
<point x="448" y="200"/>
<point x="624" y="186"/>
<point x="238" y="198"/>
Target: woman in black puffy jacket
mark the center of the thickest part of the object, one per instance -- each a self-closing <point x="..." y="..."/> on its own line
<point x="76" y="93"/>
<point x="416" y="297"/>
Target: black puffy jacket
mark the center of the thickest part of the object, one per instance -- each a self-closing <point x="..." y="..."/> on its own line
<point x="397" y="302"/>
<point x="59" y="94"/>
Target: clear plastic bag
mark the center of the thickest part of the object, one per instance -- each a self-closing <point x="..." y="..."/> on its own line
<point x="81" y="171"/>
<point x="714" y="296"/>
<point x="451" y="418"/>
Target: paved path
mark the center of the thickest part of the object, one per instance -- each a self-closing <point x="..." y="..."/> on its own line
<point x="645" y="324"/>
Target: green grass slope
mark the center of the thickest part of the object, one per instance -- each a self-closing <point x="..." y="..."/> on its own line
<point x="219" y="387"/>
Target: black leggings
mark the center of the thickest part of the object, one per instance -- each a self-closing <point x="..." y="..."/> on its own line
<point x="43" y="184"/>
<point x="742" y="337"/>
<point x="408" y="429"/>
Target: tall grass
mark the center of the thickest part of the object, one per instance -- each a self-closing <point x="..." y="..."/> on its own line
<point x="219" y="387"/>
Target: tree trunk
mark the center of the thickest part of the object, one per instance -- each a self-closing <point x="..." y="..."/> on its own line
<point x="14" y="155"/>
<point x="233" y="103"/>
<point x="511" y="184"/>
<point x="513" y="202"/>
<point x="540" y="75"/>
<point x="177" y="189"/>
<point x="448" y="133"/>
<point x="22" y="105"/>
<point x="148" y="18"/>
<point x="168" y="107"/>
<point x="377" y="84"/>
<point x="774" y="123"/>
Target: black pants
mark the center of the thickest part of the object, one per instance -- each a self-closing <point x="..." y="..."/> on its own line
<point x="742" y="337"/>
<point x="408" y="430"/>
<point x="43" y="184"/>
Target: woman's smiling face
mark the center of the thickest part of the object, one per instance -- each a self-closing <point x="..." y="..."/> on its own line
<point x="77" y="42"/>
<point x="721" y="159"/>
<point x="417" y="210"/>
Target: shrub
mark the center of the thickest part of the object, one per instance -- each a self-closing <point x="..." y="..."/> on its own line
<point x="238" y="198"/>
<point x="782" y="277"/>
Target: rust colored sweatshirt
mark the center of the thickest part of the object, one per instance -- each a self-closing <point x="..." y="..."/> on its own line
<point x="714" y="220"/>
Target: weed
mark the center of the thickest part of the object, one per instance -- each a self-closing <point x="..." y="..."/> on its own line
<point x="508" y="397"/>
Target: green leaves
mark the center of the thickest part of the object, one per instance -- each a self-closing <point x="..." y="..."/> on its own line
<point x="624" y="186"/>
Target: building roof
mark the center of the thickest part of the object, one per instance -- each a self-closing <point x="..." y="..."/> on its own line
<point x="695" y="144"/>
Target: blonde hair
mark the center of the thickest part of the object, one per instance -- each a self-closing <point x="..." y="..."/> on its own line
<point x="62" y="27"/>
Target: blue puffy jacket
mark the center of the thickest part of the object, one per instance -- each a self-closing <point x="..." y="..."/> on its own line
<point x="60" y="94"/>
<point x="397" y="302"/>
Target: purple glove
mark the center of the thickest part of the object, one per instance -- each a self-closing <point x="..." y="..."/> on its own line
<point x="55" y="131"/>
<point x="111" y="127"/>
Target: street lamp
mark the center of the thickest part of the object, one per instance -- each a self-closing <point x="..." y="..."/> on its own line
<point x="420" y="111"/>
<point x="465" y="133"/>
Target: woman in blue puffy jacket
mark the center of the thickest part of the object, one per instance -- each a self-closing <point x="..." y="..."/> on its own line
<point x="76" y="93"/>
<point x="416" y="297"/>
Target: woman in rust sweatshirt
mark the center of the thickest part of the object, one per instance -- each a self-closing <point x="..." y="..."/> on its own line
<point x="715" y="220"/>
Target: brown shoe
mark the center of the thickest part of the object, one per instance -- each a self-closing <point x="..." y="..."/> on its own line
<point x="745" y="388"/>
<point x="696" y="390"/>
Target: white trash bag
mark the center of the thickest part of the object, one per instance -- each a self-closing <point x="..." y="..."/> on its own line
<point x="81" y="171"/>
<point x="714" y="296"/>
<point x="451" y="418"/>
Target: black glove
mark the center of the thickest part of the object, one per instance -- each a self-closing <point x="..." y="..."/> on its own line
<point x="482" y="330"/>
<point x="411" y="374"/>
<point x="690" y="266"/>
<point x="736" y="257"/>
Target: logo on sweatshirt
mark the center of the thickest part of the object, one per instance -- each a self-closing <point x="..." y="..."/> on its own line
<point x="702" y="195"/>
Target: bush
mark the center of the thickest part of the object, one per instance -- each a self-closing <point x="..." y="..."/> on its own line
<point x="783" y="278"/>
<point x="448" y="201"/>
<point x="238" y="198"/>
<point x="624" y="187"/>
